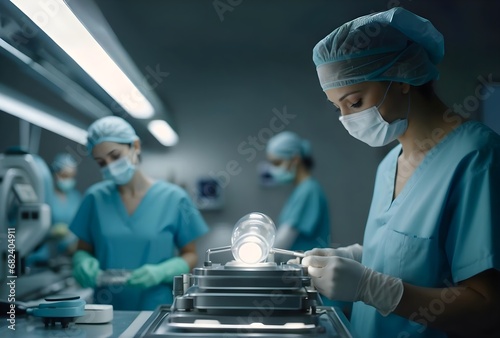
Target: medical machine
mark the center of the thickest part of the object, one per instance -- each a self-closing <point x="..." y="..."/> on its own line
<point x="251" y="296"/>
<point x="63" y="309"/>
<point x="24" y="215"/>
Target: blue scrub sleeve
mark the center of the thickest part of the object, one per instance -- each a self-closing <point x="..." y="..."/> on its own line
<point x="472" y="244"/>
<point x="305" y="213"/>
<point x="191" y="223"/>
<point x="81" y="224"/>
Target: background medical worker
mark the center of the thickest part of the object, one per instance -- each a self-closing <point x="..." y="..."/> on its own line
<point x="430" y="261"/>
<point x="66" y="200"/>
<point x="64" y="203"/>
<point x="304" y="221"/>
<point x="131" y="222"/>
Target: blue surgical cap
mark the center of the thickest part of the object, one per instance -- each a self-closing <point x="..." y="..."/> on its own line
<point x="395" y="45"/>
<point x="110" y="129"/>
<point x="63" y="161"/>
<point x="287" y="144"/>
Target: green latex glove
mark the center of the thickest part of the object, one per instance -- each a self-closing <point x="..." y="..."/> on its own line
<point x="85" y="268"/>
<point x="59" y="230"/>
<point x="153" y="274"/>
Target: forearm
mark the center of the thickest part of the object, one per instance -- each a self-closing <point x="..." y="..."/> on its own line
<point x="458" y="310"/>
<point x="188" y="253"/>
<point x="191" y="258"/>
<point x="82" y="245"/>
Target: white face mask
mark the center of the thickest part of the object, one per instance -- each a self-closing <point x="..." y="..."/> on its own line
<point x="370" y="127"/>
<point x="281" y="174"/>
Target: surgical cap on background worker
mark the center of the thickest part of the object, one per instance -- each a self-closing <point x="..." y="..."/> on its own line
<point x="287" y="145"/>
<point x="110" y="129"/>
<point x="64" y="203"/>
<point x="429" y="262"/>
<point x="130" y="222"/>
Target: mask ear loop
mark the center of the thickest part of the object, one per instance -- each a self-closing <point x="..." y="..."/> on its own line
<point x="383" y="99"/>
<point x="133" y="151"/>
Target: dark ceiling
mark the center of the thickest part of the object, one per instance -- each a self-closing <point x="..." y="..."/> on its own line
<point x="195" y="38"/>
<point x="192" y="35"/>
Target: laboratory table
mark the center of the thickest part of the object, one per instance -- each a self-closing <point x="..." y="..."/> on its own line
<point x="125" y="324"/>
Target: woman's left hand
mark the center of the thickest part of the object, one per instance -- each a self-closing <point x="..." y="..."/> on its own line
<point x="153" y="274"/>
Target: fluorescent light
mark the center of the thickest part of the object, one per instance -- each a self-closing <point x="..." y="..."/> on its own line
<point x="14" y="51"/>
<point x="61" y="25"/>
<point x="42" y="119"/>
<point x="163" y="132"/>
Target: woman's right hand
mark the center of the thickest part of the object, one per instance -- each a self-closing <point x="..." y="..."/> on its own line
<point x="85" y="269"/>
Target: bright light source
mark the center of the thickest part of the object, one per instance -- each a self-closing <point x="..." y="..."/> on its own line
<point x="252" y="238"/>
<point x="163" y="132"/>
<point x="295" y="325"/>
<point x="250" y="253"/>
<point x="14" y="51"/>
<point x="57" y="20"/>
<point x="42" y="119"/>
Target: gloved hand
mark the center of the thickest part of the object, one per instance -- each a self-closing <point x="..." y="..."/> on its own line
<point x="153" y="274"/>
<point x="85" y="268"/>
<point x="354" y="251"/>
<point x="344" y="279"/>
<point x="59" y="230"/>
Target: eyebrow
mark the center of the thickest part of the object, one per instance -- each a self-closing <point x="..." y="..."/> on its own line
<point x="350" y="93"/>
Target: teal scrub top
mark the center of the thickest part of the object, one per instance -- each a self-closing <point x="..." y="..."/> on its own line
<point x="306" y="210"/>
<point x="443" y="227"/>
<point x="165" y="220"/>
<point x="62" y="211"/>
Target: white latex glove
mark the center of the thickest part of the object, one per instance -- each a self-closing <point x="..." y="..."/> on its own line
<point x="344" y="279"/>
<point x="354" y="251"/>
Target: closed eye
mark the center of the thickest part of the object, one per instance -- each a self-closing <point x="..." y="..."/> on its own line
<point x="357" y="104"/>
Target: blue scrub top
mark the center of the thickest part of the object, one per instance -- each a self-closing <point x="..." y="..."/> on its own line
<point x="441" y="229"/>
<point x="306" y="210"/>
<point x="165" y="220"/>
<point x="62" y="211"/>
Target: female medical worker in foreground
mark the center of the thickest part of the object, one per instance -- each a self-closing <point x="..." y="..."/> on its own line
<point x="304" y="221"/>
<point x="131" y="222"/>
<point x="430" y="259"/>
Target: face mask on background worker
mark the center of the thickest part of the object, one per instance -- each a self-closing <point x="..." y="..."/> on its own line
<point x="284" y="173"/>
<point x="120" y="171"/>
